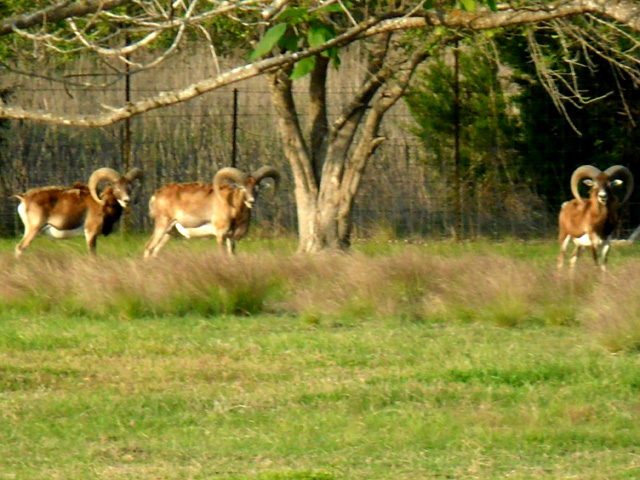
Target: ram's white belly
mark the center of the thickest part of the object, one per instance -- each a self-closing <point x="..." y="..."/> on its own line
<point x="53" y="232"/>
<point x="22" y="213"/>
<point x="585" y="241"/>
<point x="205" y="230"/>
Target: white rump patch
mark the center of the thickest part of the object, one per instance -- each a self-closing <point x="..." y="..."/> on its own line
<point x="22" y="213"/>
<point x="206" y="230"/>
<point x="585" y="241"/>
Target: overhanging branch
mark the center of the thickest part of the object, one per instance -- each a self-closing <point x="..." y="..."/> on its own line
<point x="57" y="12"/>
<point x="624" y="11"/>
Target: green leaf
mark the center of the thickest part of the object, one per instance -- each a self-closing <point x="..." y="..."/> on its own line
<point x="294" y="15"/>
<point x="439" y="31"/>
<point x="335" y="60"/>
<point x="304" y="66"/>
<point x="492" y="5"/>
<point x="289" y="42"/>
<point x="331" y="53"/>
<point x="468" y="5"/>
<point x="269" y="41"/>
<point x="429" y="5"/>
<point x="319" y="34"/>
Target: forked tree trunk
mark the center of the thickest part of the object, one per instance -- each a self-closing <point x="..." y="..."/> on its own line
<point x="317" y="201"/>
<point x="328" y="162"/>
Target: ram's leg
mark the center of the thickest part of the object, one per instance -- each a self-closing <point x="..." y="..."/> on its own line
<point x="231" y="245"/>
<point x="92" y="240"/>
<point x="159" y="238"/>
<point x="564" y="243"/>
<point x="31" y="228"/>
<point x="220" y="238"/>
<point x="595" y="242"/>
<point x="574" y="257"/>
<point x="92" y="228"/>
<point x="162" y="243"/>
<point x="225" y="244"/>
<point x="30" y="233"/>
<point x="605" y="255"/>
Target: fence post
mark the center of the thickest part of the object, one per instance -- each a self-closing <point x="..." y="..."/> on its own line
<point x="125" y="149"/>
<point x="234" y="133"/>
<point x="456" y="130"/>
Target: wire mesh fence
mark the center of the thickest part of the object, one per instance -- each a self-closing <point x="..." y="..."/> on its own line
<point x="399" y="192"/>
<point x="404" y="191"/>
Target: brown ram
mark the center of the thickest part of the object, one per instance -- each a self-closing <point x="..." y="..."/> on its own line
<point x="221" y="209"/>
<point x="590" y="222"/>
<point x="64" y="212"/>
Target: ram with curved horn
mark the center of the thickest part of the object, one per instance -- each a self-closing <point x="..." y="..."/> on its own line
<point x="590" y="222"/>
<point x="64" y="212"/>
<point x="221" y="208"/>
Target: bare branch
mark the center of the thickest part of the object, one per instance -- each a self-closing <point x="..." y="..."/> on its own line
<point x="157" y="19"/>
<point x="116" y="52"/>
<point x="348" y="13"/>
<point x="273" y="9"/>
<point x="60" y="11"/>
<point x="626" y="12"/>
<point x="546" y="77"/>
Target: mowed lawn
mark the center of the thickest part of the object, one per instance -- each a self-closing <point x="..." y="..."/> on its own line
<point x="372" y="374"/>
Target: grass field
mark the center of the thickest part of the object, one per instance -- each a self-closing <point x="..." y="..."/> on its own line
<point x="438" y="360"/>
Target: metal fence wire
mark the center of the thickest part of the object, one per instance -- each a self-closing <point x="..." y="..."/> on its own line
<point x="404" y="192"/>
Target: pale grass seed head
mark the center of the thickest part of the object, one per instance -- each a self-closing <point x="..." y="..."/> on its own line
<point x="612" y="312"/>
<point x="412" y="285"/>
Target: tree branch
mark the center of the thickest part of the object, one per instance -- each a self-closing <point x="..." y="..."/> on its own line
<point x="60" y="11"/>
<point x="319" y="124"/>
<point x="623" y="11"/>
<point x="377" y="76"/>
<point x="280" y="86"/>
<point x="626" y="12"/>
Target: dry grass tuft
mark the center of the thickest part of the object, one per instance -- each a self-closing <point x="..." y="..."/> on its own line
<point x="612" y="314"/>
<point x="176" y="285"/>
<point x="412" y="285"/>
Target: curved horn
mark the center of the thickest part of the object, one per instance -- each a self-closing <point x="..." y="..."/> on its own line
<point x="624" y="174"/>
<point x="134" y="174"/>
<point x="267" y="172"/>
<point x="230" y="174"/>
<point x="99" y="175"/>
<point x="585" y="171"/>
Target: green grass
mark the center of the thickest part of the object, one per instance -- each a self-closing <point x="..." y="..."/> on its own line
<point x="131" y="245"/>
<point x="438" y="360"/>
<point x="271" y="397"/>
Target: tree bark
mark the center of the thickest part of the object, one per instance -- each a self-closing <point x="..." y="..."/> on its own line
<point x="389" y="94"/>
<point x="319" y="123"/>
<point x="327" y="177"/>
<point x="296" y="151"/>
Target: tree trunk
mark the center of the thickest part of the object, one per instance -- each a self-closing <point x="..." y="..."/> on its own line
<point x="328" y="168"/>
<point x="296" y="151"/>
<point x="317" y="172"/>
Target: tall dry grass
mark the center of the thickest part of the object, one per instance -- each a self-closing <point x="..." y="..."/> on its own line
<point x="612" y="313"/>
<point x="412" y="285"/>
